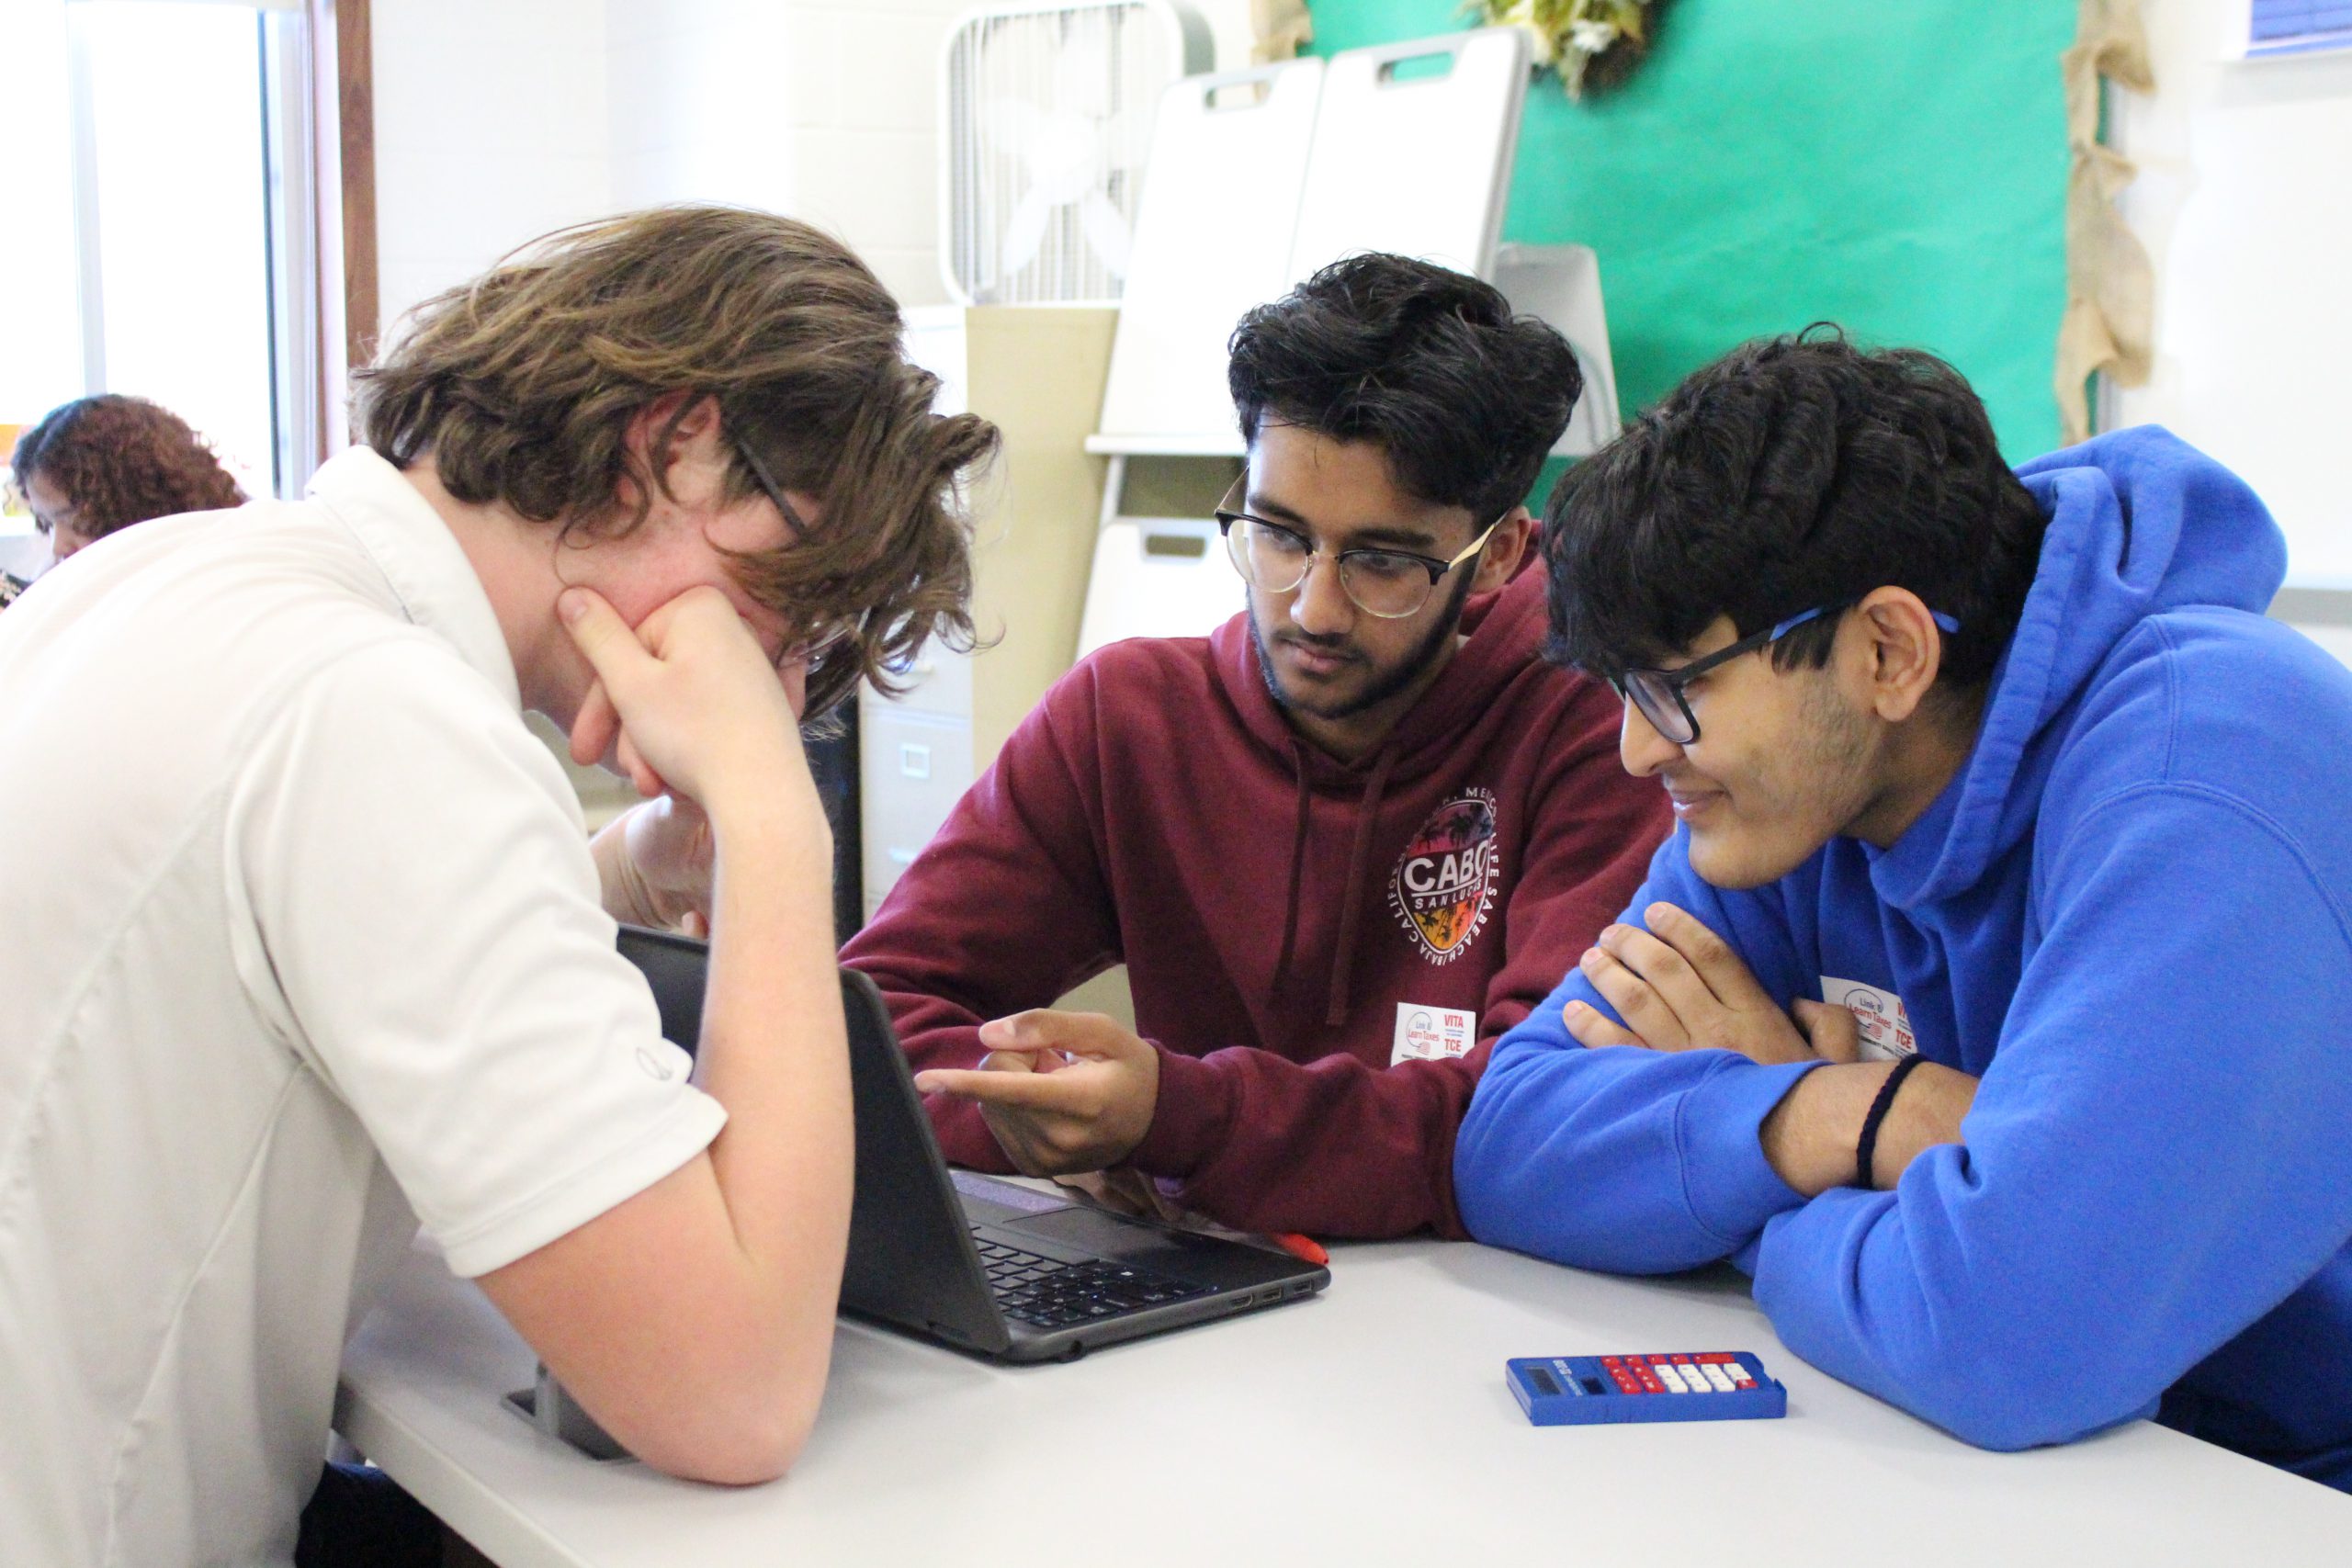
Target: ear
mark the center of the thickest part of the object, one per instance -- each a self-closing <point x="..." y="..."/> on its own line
<point x="1506" y="548"/>
<point x="674" y="427"/>
<point x="1901" y="648"/>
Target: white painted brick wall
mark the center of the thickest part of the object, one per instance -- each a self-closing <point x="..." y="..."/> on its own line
<point x="499" y="119"/>
<point x="491" y="128"/>
<point x="825" y="111"/>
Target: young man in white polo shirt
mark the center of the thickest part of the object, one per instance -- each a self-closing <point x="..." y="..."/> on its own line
<point x="305" y="945"/>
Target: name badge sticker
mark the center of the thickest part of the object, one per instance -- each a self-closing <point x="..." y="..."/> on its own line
<point x="1886" y="1024"/>
<point x="1431" y="1034"/>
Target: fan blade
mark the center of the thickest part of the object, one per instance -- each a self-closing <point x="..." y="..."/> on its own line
<point x="1024" y="231"/>
<point x="1106" y="231"/>
<point x="1017" y="127"/>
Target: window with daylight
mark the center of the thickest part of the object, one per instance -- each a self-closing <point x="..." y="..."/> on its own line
<point x="165" y="242"/>
<point x="2296" y="26"/>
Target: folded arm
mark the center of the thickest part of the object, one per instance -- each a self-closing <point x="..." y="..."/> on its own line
<point x="674" y="1255"/>
<point x="2154" y="1160"/>
<point x="1622" y="1157"/>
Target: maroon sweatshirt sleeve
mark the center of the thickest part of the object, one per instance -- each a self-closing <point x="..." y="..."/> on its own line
<point x="1005" y="909"/>
<point x="1336" y="1147"/>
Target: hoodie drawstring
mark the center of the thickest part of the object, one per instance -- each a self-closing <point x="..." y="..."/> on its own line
<point x="1297" y="865"/>
<point x="1344" y="969"/>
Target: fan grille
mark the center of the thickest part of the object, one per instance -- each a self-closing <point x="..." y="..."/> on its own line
<point x="1048" y="120"/>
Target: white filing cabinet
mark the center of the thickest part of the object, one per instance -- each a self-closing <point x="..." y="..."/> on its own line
<point x="1036" y="371"/>
<point x="914" y="761"/>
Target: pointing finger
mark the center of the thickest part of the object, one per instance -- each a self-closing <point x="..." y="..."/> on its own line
<point x="1036" y="1092"/>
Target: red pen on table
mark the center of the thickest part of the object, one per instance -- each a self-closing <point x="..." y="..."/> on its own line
<point x="1303" y="1248"/>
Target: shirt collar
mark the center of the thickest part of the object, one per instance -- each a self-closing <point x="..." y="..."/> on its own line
<point x="420" y="558"/>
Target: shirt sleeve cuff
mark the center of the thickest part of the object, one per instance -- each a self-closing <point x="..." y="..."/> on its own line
<point x="1731" y="1187"/>
<point x="596" y="1186"/>
<point x="1188" y="1118"/>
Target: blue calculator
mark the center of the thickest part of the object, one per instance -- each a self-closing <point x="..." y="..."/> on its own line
<point x="1707" y="1385"/>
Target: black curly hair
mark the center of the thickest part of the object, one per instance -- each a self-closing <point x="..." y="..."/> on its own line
<point x="1792" y="474"/>
<point x="1465" y="397"/>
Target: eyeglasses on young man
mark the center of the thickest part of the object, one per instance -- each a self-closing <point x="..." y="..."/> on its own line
<point x="1661" y="694"/>
<point x="1385" y="583"/>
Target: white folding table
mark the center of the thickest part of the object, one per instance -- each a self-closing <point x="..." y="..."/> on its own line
<point x="1369" y="1426"/>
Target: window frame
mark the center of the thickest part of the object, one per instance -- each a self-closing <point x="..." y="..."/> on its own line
<point x="318" y="179"/>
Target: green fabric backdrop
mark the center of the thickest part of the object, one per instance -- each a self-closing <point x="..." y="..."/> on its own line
<point x="1897" y="167"/>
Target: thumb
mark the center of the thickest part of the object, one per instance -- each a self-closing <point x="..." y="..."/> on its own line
<point x="604" y="639"/>
<point x="1831" y="1028"/>
<point x="1050" y="1029"/>
<point x="1093" y="1034"/>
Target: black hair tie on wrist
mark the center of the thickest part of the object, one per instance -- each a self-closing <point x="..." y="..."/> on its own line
<point x="1867" y="1145"/>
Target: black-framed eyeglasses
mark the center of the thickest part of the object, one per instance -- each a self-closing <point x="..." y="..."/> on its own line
<point x="811" y="650"/>
<point x="1662" y="696"/>
<point x="1383" y="583"/>
<point x="769" y="488"/>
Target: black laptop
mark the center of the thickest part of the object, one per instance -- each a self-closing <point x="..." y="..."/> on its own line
<point x="990" y="1267"/>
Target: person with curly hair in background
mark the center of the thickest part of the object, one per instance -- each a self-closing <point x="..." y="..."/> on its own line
<point x="99" y="464"/>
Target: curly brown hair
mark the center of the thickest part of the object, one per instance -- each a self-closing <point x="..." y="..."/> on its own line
<point x="520" y="387"/>
<point x="123" y="460"/>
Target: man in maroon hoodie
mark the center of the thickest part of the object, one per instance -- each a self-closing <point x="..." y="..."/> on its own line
<point x="1341" y="845"/>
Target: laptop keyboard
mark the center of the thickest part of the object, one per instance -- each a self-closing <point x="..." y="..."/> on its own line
<point x="1047" y="1293"/>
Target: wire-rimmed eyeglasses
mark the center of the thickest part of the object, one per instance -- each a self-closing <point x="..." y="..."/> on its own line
<point x="1385" y="583"/>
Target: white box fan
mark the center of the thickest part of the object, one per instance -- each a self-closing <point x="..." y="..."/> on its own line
<point x="1045" y="119"/>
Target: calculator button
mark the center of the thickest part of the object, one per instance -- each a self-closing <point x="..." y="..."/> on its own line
<point x="1625" y="1383"/>
<point x="1672" y="1379"/>
<point x="1718" y="1379"/>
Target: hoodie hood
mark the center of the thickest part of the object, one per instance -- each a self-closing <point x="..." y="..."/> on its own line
<point x="2140" y="522"/>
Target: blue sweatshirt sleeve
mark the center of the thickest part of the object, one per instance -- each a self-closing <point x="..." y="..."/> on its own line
<point x="2154" y="1159"/>
<point x="1635" y="1161"/>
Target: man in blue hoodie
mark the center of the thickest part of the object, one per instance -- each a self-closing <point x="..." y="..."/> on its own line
<point x="1989" y="1004"/>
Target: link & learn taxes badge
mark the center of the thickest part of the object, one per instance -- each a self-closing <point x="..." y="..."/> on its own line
<point x="1431" y="1034"/>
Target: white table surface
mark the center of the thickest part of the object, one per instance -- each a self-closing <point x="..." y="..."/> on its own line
<point x="1368" y="1426"/>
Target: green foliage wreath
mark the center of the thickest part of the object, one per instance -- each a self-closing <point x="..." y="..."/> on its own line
<point x="1588" y="43"/>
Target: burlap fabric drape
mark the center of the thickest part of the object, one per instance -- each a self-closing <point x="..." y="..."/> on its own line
<point x="2111" y="287"/>
<point x="1277" y="30"/>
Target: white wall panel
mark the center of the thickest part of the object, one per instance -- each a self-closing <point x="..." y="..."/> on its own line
<point x="2244" y="169"/>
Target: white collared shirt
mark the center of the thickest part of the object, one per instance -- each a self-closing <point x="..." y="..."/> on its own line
<point x="301" y="944"/>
